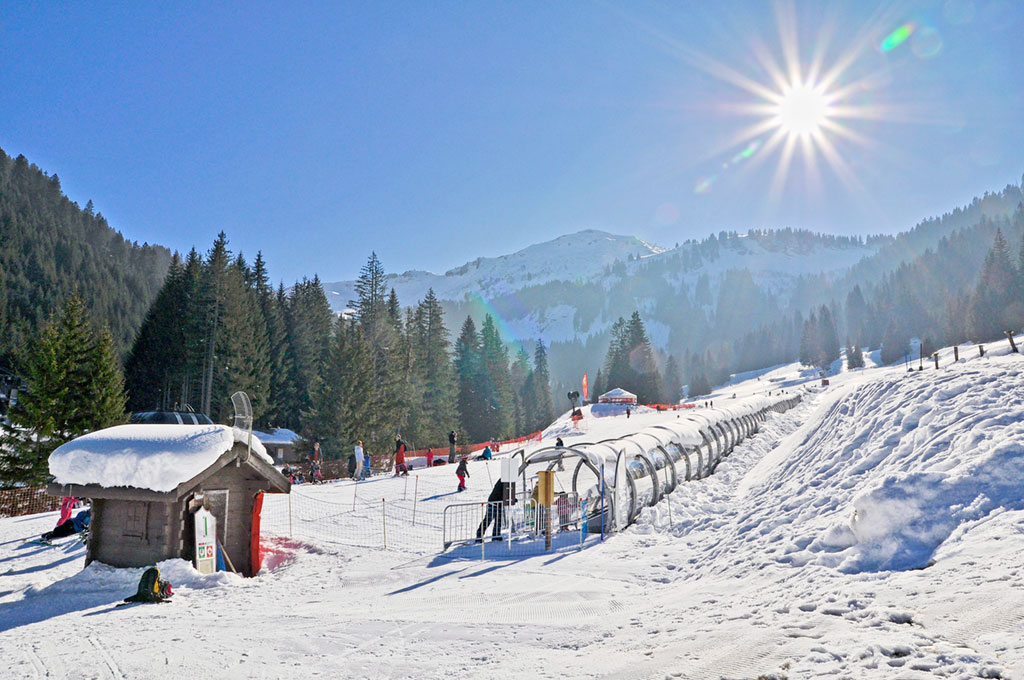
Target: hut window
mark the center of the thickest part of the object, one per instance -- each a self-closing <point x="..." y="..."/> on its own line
<point x="137" y="521"/>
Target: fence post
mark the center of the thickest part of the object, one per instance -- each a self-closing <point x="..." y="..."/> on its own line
<point x="956" y="353"/>
<point x="384" y="522"/>
<point x="354" y="487"/>
<point x="415" y="497"/>
<point x="981" y="350"/>
<point x="290" y="514"/>
<point x="935" y="356"/>
<point x="602" y="501"/>
<point x="483" y="529"/>
<point x="405" y="489"/>
<point x="490" y="482"/>
<point x="1013" y="345"/>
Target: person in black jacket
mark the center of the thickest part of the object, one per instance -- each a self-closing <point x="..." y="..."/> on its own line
<point x="462" y="472"/>
<point x="452" y="438"/>
<point x="494" y="513"/>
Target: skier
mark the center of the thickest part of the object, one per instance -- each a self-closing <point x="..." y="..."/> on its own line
<point x="399" y="457"/>
<point x="352" y="465"/>
<point x="315" y="461"/>
<point x="495" y="513"/>
<point x="559" y="444"/>
<point x="486" y="455"/>
<point x="462" y="472"/>
<point x="452" y="438"/>
<point x="75" y="525"/>
<point x="358" y="455"/>
<point x="627" y="413"/>
<point x="366" y="465"/>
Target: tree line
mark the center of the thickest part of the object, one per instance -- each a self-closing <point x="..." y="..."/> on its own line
<point x="218" y="326"/>
<point x="50" y="248"/>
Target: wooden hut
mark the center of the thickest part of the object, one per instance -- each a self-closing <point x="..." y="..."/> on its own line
<point x="146" y="481"/>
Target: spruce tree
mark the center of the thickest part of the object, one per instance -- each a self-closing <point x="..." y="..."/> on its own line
<point x="673" y="380"/>
<point x="828" y="338"/>
<point x="543" y="412"/>
<point x="522" y="392"/>
<point x="498" y="381"/>
<point x="995" y="306"/>
<point x="74" y="386"/>
<point x="473" y="400"/>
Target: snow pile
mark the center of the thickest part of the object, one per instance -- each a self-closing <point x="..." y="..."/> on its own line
<point x="155" y="457"/>
<point x="896" y="466"/>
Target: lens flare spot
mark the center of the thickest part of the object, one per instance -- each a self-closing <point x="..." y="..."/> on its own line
<point x="926" y="43"/>
<point x="704" y="185"/>
<point x="897" y="37"/>
<point x="747" y="152"/>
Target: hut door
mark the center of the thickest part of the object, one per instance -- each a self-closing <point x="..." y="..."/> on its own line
<point x="218" y="501"/>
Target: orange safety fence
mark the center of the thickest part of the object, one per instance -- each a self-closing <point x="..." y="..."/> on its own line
<point x="669" y="407"/>
<point x="26" y="500"/>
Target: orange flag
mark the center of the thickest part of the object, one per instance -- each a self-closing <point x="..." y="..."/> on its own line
<point x="585" y="398"/>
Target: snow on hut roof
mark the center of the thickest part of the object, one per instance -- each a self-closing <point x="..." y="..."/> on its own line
<point x="155" y="457"/>
<point x="617" y="393"/>
<point x="280" y="436"/>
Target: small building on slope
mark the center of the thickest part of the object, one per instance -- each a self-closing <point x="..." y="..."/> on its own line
<point x="282" y="445"/>
<point x="617" y="396"/>
<point x="146" y="481"/>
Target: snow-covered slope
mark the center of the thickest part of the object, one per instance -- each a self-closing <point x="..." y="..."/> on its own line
<point x="874" y="531"/>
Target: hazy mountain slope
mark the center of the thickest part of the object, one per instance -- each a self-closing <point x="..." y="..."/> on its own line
<point x="577" y="285"/>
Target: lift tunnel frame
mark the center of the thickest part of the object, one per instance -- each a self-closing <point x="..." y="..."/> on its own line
<point x="641" y="468"/>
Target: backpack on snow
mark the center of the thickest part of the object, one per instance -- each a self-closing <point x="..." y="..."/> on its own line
<point x="151" y="588"/>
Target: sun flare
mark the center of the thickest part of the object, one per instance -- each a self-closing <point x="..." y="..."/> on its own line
<point x="802" y="111"/>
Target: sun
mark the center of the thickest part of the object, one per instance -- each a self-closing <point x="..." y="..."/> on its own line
<point x="812" y="100"/>
<point x="802" y="111"/>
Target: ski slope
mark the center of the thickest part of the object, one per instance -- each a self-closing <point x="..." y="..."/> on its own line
<point x="874" y="531"/>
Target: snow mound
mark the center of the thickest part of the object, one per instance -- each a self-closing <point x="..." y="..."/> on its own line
<point x="155" y="457"/>
<point x="897" y="466"/>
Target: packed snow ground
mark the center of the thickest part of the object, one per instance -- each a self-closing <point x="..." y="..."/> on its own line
<point x="874" y="531"/>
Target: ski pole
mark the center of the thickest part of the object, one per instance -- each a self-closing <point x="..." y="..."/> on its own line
<point x="354" y="487"/>
<point x="489" y="481"/>
<point x="405" y="491"/>
<point x="384" y="522"/>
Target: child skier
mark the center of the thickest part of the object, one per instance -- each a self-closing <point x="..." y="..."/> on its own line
<point x="462" y="472"/>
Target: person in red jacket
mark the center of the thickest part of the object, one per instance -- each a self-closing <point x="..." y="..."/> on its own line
<point x="400" y="449"/>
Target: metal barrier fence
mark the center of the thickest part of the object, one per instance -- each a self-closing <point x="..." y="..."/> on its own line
<point x="518" y="530"/>
<point x="471" y="522"/>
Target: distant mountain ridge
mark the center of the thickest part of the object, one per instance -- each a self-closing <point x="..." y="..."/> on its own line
<point x="582" y="255"/>
<point x="548" y="289"/>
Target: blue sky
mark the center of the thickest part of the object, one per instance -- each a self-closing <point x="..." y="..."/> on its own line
<point x="434" y="133"/>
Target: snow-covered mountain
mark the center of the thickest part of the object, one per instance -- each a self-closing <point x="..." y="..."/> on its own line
<point x="576" y="285"/>
<point x="580" y="256"/>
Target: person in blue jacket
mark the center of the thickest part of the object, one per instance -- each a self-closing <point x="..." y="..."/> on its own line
<point x="75" y="525"/>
